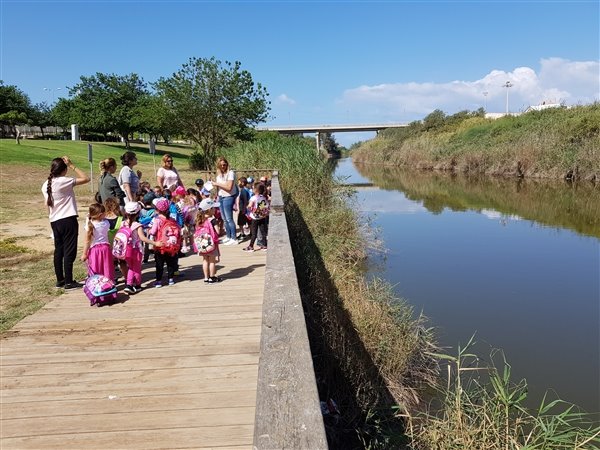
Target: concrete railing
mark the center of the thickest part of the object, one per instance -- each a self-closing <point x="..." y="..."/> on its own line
<point x="288" y="414"/>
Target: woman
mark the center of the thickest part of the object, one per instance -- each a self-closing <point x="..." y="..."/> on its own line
<point x="129" y="181"/>
<point x="62" y="208"/>
<point x="227" y="194"/>
<point x="167" y="176"/>
<point x="109" y="186"/>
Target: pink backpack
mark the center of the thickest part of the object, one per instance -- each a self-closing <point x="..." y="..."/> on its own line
<point x="204" y="242"/>
<point x="169" y="234"/>
<point x="122" y="244"/>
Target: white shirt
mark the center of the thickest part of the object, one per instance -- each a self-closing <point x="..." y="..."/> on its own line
<point x="170" y="177"/>
<point x="101" y="228"/>
<point x="229" y="176"/>
<point x="64" y="198"/>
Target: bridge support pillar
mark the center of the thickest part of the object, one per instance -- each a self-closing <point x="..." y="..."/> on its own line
<point x="318" y="142"/>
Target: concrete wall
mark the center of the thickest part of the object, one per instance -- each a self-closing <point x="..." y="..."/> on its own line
<point x="288" y="413"/>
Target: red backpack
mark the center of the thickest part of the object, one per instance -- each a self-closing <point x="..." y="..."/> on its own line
<point x="169" y="234"/>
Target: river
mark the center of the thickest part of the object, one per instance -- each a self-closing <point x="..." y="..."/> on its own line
<point x="515" y="262"/>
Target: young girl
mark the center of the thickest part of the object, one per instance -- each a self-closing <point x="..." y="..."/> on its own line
<point x="258" y="206"/>
<point x="96" y="250"/>
<point x="162" y="208"/>
<point x="204" y="224"/>
<point x="133" y="283"/>
<point x="115" y="219"/>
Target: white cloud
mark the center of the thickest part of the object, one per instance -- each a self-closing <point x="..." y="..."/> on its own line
<point x="283" y="98"/>
<point x="558" y="80"/>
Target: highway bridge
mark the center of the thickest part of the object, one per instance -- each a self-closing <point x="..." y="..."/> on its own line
<point x="297" y="129"/>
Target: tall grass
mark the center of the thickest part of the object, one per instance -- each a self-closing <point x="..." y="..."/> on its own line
<point x="369" y="351"/>
<point x="551" y="143"/>
<point x="481" y="407"/>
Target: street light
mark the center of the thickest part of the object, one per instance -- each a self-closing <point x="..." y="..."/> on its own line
<point x="485" y="94"/>
<point x="507" y="85"/>
<point x="52" y="90"/>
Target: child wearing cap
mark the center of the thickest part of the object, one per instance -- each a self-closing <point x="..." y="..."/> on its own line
<point x="205" y="224"/>
<point x="96" y="250"/>
<point x="133" y="282"/>
<point x="162" y="206"/>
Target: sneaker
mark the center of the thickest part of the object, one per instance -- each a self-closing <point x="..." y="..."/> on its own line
<point x="231" y="242"/>
<point x="129" y="289"/>
<point x="262" y="247"/>
<point x="224" y="240"/>
<point x="207" y="280"/>
<point x="138" y="288"/>
<point x="60" y="284"/>
<point x="73" y="285"/>
<point x="171" y="281"/>
<point x="157" y="284"/>
<point x="215" y="279"/>
<point x="248" y="249"/>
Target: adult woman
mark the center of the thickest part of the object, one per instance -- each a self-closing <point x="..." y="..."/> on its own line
<point x="109" y="186"/>
<point x="227" y="194"/>
<point x="167" y="176"/>
<point x="129" y="181"/>
<point x="62" y="210"/>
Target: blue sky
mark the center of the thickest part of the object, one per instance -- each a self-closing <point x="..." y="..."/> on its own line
<point x="334" y="62"/>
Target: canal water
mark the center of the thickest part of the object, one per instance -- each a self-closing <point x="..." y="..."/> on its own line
<point x="514" y="262"/>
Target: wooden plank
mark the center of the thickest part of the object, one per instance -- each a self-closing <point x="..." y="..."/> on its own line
<point x="174" y="367"/>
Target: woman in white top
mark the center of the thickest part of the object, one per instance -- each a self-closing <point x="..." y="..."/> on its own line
<point x="167" y="176"/>
<point x="128" y="179"/>
<point x="62" y="208"/>
<point x="227" y="194"/>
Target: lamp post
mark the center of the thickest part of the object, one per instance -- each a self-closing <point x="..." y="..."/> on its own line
<point x="507" y="85"/>
<point x="52" y="91"/>
<point x="485" y="94"/>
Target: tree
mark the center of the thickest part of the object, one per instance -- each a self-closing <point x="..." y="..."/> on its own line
<point x="213" y="104"/>
<point x="151" y="116"/>
<point x="15" y="109"/>
<point x="41" y="116"/>
<point x="106" y="103"/>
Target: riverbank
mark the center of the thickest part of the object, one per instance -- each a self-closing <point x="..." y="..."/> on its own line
<point x="553" y="143"/>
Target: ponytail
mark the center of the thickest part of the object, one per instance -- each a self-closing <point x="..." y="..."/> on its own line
<point x="94" y="212"/>
<point x="57" y="168"/>
<point x="106" y="164"/>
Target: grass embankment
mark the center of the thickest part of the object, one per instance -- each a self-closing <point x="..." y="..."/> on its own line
<point x="552" y="143"/>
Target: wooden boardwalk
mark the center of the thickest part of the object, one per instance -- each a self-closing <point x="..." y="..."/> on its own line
<point x="174" y="367"/>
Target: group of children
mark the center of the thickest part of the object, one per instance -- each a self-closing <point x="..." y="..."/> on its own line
<point x="168" y="224"/>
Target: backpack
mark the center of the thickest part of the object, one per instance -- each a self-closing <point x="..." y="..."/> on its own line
<point x="203" y="240"/>
<point x="169" y="234"/>
<point x="261" y="210"/>
<point x="99" y="289"/>
<point x="122" y="243"/>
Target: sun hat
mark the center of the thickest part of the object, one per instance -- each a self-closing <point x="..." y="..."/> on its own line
<point x="199" y="182"/>
<point x="161" y="204"/>
<point x="207" y="204"/>
<point x="179" y="191"/>
<point x="132" y="207"/>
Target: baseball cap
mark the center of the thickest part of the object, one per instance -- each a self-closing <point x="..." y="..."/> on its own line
<point x="207" y="204"/>
<point x="199" y="182"/>
<point x="250" y="180"/>
<point x="180" y="191"/>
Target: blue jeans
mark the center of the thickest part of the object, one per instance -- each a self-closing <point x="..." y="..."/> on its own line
<point x="226" y="207"/>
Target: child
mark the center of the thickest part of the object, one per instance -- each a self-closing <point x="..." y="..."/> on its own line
<point x="242" y="205"/>
<point x="204" y="225"/>
<point x="115" y="219"/>
<point x="161" y="257"/>
<point x="96" y="250"/>
<point x="133" y="283"/>
<point x="258" y="206"/>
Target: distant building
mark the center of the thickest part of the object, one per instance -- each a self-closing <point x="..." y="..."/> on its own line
<point x="543" y="106"/>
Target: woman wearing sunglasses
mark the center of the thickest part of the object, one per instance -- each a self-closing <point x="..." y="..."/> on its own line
<point x="167" y="176"/>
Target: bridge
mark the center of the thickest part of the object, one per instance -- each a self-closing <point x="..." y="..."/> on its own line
<point x="192" y="365"/>
<point x="298" y="129"/>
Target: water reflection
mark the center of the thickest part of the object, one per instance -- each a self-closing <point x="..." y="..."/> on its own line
<point x="557" y="204"/>
<point x="515" y="261"/>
